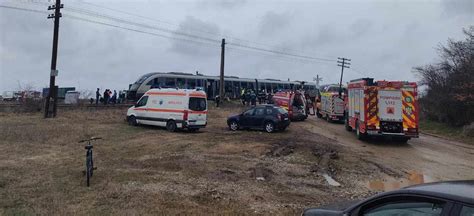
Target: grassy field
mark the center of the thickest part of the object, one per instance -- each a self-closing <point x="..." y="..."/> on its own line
<point x="445" y="130"/>
<point x="147" y="170"/>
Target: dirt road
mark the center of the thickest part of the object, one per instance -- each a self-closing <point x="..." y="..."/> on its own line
<point x="146" y="170"/>
<point x="434" y="157"/>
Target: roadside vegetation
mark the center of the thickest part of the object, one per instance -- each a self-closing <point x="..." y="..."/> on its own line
<point x="445" y="130"/>
<point x="449" y="97"/>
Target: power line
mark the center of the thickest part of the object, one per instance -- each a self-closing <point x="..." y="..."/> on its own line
<point x="24" y="9"/>
<point x="173" y="24"/>
<point x="136" y="30"/>
<point x="233" y="50"/>
<point x="282" y="53"/>
<point x="91" y="13"/>
<point x="111" y="25"/>
<point x="123" y="21"/>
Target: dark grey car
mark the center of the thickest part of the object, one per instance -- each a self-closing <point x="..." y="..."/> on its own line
<point x="453" y="198"/>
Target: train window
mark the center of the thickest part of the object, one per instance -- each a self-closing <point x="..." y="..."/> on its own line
<point x="151" y="82"/>
<point x="200" y="83"/>
<point x="228" y="86"/>
<point x="191" y="83"/>
<point x="180" y="83"/>
<point x="170" y="82"/>
<point x="161" y="81"/>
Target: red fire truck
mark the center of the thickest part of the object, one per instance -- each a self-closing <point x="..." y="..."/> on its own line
<point x="294" y="102"/>
<point x="382" y="108"/>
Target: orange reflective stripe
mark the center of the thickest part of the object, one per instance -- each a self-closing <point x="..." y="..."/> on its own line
<point x="165" y="110"/>
<point x="171" y="110"/>
<point x="197" y="95"/>
<point x="166" y="93"/>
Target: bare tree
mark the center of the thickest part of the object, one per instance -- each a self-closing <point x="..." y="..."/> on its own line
<point x="450" y="93"/>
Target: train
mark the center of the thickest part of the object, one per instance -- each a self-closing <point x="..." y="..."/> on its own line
<point x="210" y="84"/>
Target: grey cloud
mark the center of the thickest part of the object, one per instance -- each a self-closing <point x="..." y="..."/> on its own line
<point x="190" y="49"/>
<point x="225" y="4"/>
<point x="458" y="7"/>
<point x="361" y="27"/>
<point x="273" y="23"/>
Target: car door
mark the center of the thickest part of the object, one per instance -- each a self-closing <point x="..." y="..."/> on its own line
<point x="406" y="205"/>
<point x="141" y="110"/>
<point x="246" y="118"/>
<point x="258" y="118"/>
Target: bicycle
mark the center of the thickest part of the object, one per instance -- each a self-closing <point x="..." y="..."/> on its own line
<point x="89" y="161"/>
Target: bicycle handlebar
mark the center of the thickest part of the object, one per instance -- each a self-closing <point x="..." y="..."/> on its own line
<point x="90" y="139"/>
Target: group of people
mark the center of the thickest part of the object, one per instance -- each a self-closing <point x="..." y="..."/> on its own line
<point x="107" y="98"/>
<point x="250" y="97"/>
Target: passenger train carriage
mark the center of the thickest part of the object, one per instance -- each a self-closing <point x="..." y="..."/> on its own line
<point x="210" y="84"/>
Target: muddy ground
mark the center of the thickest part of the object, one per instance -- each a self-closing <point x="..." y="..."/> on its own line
<point x="147" y="170"/>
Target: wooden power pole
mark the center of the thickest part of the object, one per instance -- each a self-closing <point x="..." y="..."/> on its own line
<point x="53" y="92"/>
<point x="221" y="81"/>
<point x="343" y="63"/>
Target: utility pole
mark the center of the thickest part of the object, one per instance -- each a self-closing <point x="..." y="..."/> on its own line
<point x="53" y="92"/>
<point x="343" y="63"/>
<point x="221" y="83"/>
<point x="317" y="79"/>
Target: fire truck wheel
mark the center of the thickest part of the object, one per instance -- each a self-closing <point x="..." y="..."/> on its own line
<point x="360" y="135"/>
<point x="402" y="139"/>
<point x="346" y="124"/>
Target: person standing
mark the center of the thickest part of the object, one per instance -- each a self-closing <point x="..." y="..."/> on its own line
<point x="106" y="96"/>
<point x="253" y="98"/>
<point x="114" y="97"/>
<point x="97" y="96"/>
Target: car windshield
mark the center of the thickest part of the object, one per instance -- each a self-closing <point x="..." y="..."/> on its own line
<point x="281" y="110"/>
<point x="197" y="104"/>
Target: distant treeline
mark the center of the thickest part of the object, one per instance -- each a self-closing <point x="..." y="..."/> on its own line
<point x="449" y="97"/>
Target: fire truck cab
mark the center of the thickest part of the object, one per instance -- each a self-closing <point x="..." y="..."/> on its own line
<point x="382" y="108"/>
<point x="294" y="102"/>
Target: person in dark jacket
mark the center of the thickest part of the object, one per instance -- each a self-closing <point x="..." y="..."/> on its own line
<point x="253" y="98"/>
<point x="97" y="96"/>
<point x="247" y="97"/>
<point x="106" y="96"/>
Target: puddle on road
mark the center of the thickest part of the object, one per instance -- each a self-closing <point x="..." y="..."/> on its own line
<point x="413" y="178"/>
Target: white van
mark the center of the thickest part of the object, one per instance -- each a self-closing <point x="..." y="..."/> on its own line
<point x="170" y="108"/>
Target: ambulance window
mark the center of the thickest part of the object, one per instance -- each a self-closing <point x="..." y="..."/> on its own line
<point x="197" y="104"/>
<point x="142" y="101"/>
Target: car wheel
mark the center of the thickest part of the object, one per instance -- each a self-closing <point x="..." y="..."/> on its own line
<point x="233" y="126"/>
<point x="171" y="126"/>
<point x="132" y="120"/>
<point x="269" y="127"/>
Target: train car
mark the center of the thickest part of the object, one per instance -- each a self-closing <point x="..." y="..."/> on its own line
<point x="210" y="84"/>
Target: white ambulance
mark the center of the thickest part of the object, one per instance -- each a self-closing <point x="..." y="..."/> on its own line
<point x="170" y="108"/>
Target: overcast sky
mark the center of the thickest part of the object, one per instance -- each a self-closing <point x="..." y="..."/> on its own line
<point x="385" y="39"/>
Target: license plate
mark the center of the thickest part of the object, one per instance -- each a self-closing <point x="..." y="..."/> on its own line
<point x="285" y="119"/>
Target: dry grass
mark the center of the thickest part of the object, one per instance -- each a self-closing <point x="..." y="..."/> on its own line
<point x="147" y="170"/>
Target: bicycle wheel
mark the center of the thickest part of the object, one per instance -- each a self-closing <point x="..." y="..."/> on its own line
<point x="88" y="171"/>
